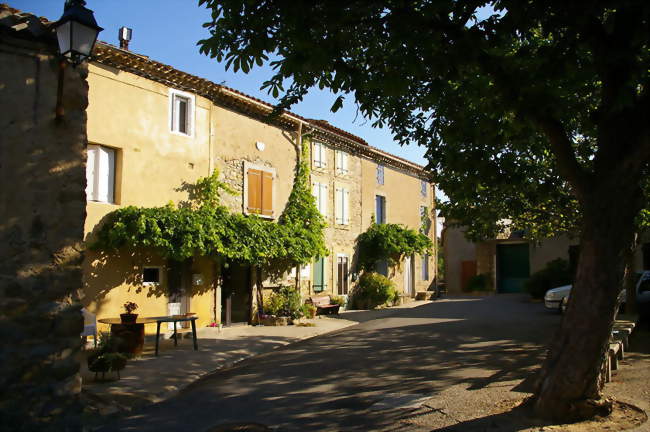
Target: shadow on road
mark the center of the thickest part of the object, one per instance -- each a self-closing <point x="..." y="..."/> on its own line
<point x="332" y="382"/>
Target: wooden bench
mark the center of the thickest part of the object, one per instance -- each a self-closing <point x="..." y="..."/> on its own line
<point x="324" y="305"/>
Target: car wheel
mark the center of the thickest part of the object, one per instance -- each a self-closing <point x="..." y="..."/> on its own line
<point x="563" y="305"/>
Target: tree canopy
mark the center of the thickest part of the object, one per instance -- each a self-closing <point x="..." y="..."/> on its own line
<point x="536" y="111"/>
<point x="482" y="89"/>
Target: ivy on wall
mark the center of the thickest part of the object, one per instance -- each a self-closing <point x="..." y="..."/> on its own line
<point x="207" y="228"/>
<point x="390" y="242"/>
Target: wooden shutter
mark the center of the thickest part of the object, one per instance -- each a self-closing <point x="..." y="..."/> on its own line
<point x="267" y="193"/>
<point x="105" y="173"/>
<point x="254" y="191"/>
<point x="91" y="173"/>
<point x="342" y="266"/>
<point x="346" y="206"/>
<point x="339" y="206"/>
<point x="319" y="275"/>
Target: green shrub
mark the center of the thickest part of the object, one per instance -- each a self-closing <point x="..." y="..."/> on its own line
<point x="338" y="300"/>
<point x="555" y="274"/>
<point x="284" y="302"/>
<point x="480" y="282"/>
<point x="308" y="310"/>
<point x="373" y="290"/>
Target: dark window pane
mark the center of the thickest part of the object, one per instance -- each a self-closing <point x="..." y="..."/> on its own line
<point x="151" y="275"/>
<point x="182" y="115"/>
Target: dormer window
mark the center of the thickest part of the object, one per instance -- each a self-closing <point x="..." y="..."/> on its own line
<point x="181" y="112"/>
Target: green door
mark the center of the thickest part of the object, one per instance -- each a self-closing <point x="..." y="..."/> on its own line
<point x="513" y="267"/>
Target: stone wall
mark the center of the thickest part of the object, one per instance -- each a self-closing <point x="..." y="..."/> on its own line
<point x="42" y="211"/>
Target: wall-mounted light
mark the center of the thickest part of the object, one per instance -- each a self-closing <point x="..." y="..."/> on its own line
<point x="76" y="31"/>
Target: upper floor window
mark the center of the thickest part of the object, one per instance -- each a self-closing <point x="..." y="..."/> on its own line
<point x="425" y="267"/>
<point x="259" y="191"/>
<point x="181" y="108"/>
<point x="342" y="206"/>
<point x="380" y="174"/>
<point x="319" y="155"/>
<point x="380" y="209"/>
<point x="341" y="162"/>
<point x="320" y="193"/>
<point x="423" y="188"/>
<point x="100" y="174"/>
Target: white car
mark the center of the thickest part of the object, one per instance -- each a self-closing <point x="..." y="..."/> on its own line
<point x="557" y="298"/>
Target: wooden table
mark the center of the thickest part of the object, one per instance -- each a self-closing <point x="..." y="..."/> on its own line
<point x="135" y="346"/>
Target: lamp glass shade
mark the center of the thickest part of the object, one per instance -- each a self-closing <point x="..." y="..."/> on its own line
<point x="63" y="35"/>
<point x="83" y="39"/>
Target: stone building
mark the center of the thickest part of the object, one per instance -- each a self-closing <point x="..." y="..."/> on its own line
<point x="42" y="211"/>
<point x="153" y="131"/>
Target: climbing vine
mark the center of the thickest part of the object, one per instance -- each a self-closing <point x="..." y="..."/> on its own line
<point x="207" y="228"/>
<point x="390" y="242"/>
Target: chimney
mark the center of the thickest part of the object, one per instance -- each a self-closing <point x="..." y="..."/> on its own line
<point x="124" y="35"/>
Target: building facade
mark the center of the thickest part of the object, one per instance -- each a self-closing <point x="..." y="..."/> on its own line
<point x="153" y="131"/>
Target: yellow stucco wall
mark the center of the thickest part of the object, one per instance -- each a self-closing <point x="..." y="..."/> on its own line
<point x="131" y="114"/>
<point x="403" y="201"/>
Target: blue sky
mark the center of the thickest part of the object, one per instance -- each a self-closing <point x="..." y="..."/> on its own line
<point x="168" y="32"/>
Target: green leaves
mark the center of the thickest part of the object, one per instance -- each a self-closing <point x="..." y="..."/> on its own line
<point x="390" y="242"/>
<point x="206" y="228"/>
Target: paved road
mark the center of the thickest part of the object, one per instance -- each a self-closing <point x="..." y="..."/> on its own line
<point x="364" y="377"/>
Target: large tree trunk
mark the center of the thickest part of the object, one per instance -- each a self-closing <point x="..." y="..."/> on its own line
<point x="569" y="386"/>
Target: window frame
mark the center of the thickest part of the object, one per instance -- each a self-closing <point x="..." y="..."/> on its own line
<point x="270" y="170"/>
<point x="93" y="192"/>
<point x="342" y="162"/>
<point x="424" y="188"/>
<point x="173" y="123"/>
<point x="321" y="199"/>
<point x="321" y="162"/>
<point x="347" y="276"/>
<point x="160" y="275"/>
<point x="384" y="209"/>
<point x="381" y="175"/>
<point x="342" y="205"/>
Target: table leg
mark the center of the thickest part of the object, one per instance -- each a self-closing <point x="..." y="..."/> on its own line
<point x="175" y="335"/>
<point x="196" y="345"/>
<point x="157" y="336"/>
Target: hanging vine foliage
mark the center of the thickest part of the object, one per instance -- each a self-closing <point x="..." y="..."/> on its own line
<point x="208" y="228"/>
<point x="390" y="242"/>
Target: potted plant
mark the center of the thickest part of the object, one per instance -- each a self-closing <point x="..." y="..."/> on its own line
<point x="129" y="317"/>
<point x="105" y="358"/>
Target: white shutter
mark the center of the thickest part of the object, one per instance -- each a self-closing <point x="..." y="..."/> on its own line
<point x="346" y="206"/>
<point x="323" y="199"/>
<point x="339" y="206"/>
<point x="317" y="155"/>
<point x="91" y="173"/>
<point x="105" y="175"/>
<point x="305" y="271"/>
<point x="344" y="162"/>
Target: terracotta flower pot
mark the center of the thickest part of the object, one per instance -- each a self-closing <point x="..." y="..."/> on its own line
<point x="128" y="318"/>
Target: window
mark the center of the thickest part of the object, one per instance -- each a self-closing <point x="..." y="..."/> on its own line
<point x="380" y="174"/>
<point x="182" y="112"/>
<point x="423" y="188"/>
<point x="319" y="155"/>
<point x="151" y="276"/>
<point x="319" y="275"/>
<point x="342" y="206"/>
<point x="380" y="209"/>
<point x="320" y="193"/>
<point x="425" y="221"/>
<point x="341" y="162"/>
<point x="425" y="267"/>
<point x="343" y="274"/>
<point x="100" y="174"/>
<point x="259" y="191"/>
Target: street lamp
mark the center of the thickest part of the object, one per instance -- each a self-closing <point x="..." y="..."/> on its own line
<point x="76" y="31"/>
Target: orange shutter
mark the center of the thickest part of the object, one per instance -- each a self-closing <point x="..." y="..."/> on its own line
<point x="254" y="191"/>
<point x="267" y="193"/>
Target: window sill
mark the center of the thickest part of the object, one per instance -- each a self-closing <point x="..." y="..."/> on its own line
<point x="181" y="134"/>
<point x="345" y="227"/>
<point x="102" y="203"/>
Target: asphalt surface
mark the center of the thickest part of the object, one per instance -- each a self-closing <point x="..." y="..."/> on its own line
<point x="365" y="377"/>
